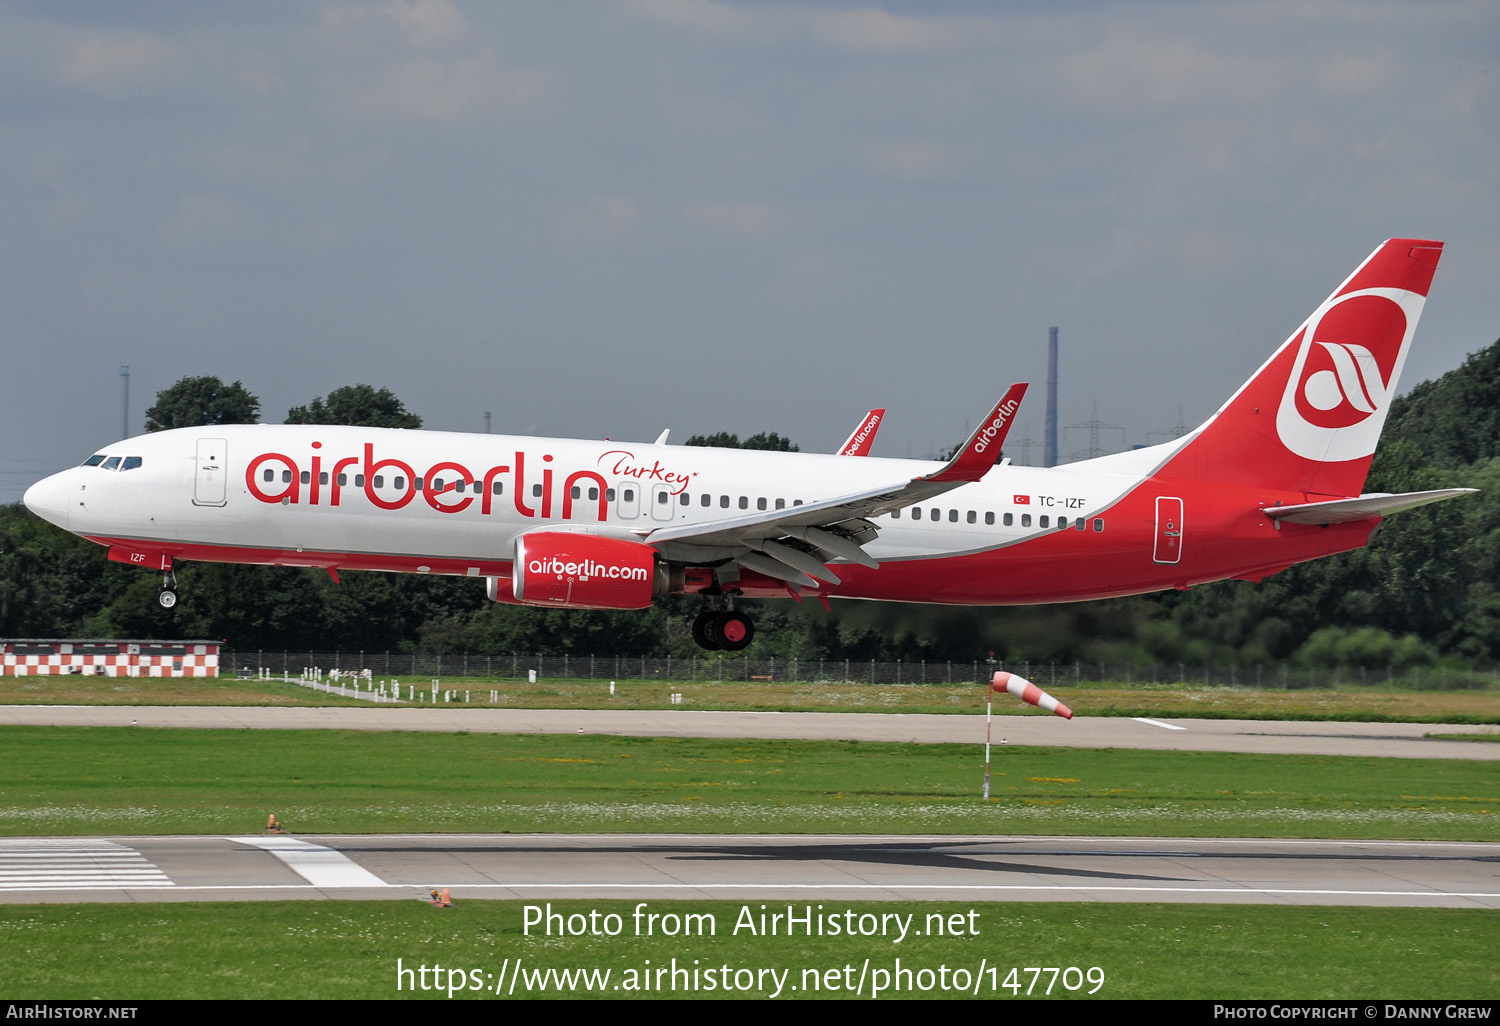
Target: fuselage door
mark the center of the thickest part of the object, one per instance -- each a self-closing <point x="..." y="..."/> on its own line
<point x="210" y="472"/>
<point x="1168" y="530"/>
<point x="629" y="506"/>
<point x="661" y="502"/>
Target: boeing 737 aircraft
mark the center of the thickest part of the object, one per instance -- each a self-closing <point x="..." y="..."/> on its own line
<point x="1273" y="478"/>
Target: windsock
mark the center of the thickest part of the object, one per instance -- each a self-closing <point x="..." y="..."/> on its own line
<point x="1029" y="693"/>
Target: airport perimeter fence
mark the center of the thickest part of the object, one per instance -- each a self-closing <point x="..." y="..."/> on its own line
<point x="726" y="668"/>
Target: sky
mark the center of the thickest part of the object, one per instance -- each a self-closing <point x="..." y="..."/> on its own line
<point x="602" y="220"/>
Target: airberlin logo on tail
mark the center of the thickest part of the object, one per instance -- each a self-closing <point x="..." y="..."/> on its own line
<point x="1349" y="357"/>
<point x="994" y="427"/>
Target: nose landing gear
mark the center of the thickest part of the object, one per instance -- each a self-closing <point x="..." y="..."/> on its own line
<point x="167" y="597"/>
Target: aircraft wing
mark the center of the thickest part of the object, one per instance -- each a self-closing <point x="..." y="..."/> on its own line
<point x="792" y="543"/>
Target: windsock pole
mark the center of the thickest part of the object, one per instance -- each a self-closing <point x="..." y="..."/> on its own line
<point x="989" y="704"/>
<point x="1029" y="693"/>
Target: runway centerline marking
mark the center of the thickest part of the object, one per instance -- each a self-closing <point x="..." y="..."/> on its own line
<point x="319" y="865"/>
<point x="1157" y="723"/>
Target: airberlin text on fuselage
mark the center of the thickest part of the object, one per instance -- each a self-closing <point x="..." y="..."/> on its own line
<point x="448" y="486"/>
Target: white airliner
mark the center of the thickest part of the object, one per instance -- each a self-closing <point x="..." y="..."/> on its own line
<point x="1273" y="478"/>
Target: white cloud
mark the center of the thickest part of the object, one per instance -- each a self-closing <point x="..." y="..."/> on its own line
<point x="857" y="30"/>
<point x="104" y="58"/>
<point x="1357" y="76"/>
<point x="907" y="161"/>
<point x="753" y="220"/>
<point x="598" y="220"/>
<point x="1129" y="70"/>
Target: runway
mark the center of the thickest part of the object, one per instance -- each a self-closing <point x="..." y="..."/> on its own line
<point x="763" y="868"/>
<point x="1270" y="737"/>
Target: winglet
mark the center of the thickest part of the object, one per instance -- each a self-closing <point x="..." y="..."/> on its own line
<point x="858" y="444"/>
<point x="982" y="449"/>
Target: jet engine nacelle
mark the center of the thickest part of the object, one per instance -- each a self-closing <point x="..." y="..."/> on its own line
<point x="584" y="571"/>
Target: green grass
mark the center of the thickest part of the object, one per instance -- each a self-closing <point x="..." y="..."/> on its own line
<point x="335" y="949"/>
<point x="60" y="780"/>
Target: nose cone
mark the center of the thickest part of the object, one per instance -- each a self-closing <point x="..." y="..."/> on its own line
<point x="49" y="499"/>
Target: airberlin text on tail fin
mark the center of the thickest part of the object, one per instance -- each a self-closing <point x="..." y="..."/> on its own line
<point x="1311" y="416"/>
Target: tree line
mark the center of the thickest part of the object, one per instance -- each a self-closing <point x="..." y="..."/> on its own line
<point x="1425" y="588"/>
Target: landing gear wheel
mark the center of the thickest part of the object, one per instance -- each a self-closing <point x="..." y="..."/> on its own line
<point x="733" y="631"/>
<point x="167" y="598"/>
<point x="703" y="631"/>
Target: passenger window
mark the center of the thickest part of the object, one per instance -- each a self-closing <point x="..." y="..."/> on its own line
<point x="972" y="517"/>
<point x="379" y="480"/>
<point x="496" y="487"/>
<point x="415" y="483"/>
<point x="323" y="477"/>
<point x="131" y="462"/>
<point x="895" y="514"/>
<point x="1026" y="520"/>
<point x="935" y="514"/>
<point x="1009" y="518"/>
<point x="536" y="491"/>
<point x="662" y="498"/>
<point x="609" y="495"/>
<point x="593" y="493"/>
<point x="94" y="461"/>
<point x="1043" y="521"/>
<point x="796" y="502"/>
<point x="744" y="502"/>
<point x="268" y="476"/>
<point x="286" y="476"/>
<point x="686" y="500"/>
<point x="953" y="516"/>
<point x="1098" y="524"/>
<point x="576" y="492"/>
<point x="343" y="479"/>
<point x="916" y="512"/>
<point x="359" y="480"/>
<point x="1062" y="522"/>
<point x="781" y="504"/>
<point x="398" y="482"/>
<point x="1080" y="523"/>
<point x="760" y="503"/>
<point x="723" y="502"/>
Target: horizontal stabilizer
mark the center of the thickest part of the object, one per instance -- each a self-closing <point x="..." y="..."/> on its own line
<point x="1366" y="507"/>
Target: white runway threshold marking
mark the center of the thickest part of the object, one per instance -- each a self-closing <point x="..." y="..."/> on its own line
<point x="1157" y="723"/>
<point x="318" y="865"/>
<point x="67" y="864"/>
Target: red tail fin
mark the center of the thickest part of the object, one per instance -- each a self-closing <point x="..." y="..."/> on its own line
<point x="1310" y="417"/>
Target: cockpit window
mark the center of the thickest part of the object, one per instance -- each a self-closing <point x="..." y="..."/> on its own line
<point x="131" y="462"/>
<point x="112" y="463"/>
<point x="94" y="461"/>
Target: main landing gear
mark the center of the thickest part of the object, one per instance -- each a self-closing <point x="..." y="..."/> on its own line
<point x="728" y="630"/>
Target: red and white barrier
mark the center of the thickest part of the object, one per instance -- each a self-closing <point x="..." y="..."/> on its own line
<point x="1029" y="693"/>
<point x="109" y="658"/>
